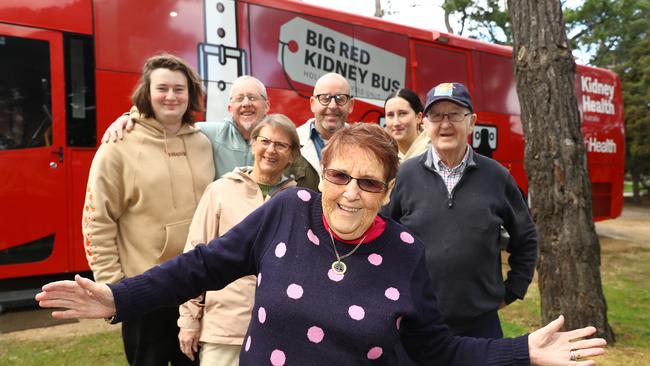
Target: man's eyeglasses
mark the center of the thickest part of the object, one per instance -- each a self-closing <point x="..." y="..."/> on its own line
<point x="251" y="97"/>
<point x="279" y="146"/>
<point x="340" y="99"/>
<point x="453" y="116"/>
<point x="342" y="179"/>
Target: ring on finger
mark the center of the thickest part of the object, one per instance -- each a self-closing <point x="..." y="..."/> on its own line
<point x="574" y="355"/>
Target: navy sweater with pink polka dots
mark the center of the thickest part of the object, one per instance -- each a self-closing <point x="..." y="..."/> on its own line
<point x="304" y="313"/>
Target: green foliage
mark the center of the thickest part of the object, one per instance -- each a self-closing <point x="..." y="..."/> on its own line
<point x="617" y="32"/>
<point x="485" y="20"/>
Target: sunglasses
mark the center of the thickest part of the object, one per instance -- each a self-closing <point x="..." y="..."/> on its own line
<point x="365" y="184"/>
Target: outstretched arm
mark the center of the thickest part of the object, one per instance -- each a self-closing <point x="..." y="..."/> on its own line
<point x="549" y="346"/>
<point x="82" y="298"/>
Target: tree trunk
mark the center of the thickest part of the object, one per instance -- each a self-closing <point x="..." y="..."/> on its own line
<point x="555" y="161"/>
<point x="378" y="12"/>
<point x="448" y="23"/>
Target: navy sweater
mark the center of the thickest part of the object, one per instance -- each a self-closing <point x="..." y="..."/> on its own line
<point x="304" y="314"/>
<point x="461" y="234"/>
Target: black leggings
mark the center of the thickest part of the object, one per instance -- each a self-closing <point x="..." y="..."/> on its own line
<point x="152" y="340"/>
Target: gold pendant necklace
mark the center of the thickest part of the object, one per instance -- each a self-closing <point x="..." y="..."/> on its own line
<point x="338" y="266"/>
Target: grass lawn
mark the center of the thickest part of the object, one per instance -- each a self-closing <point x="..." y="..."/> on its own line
<point x="100" y="349"/>
<point x="625" y="270"/>
<point x="627" y="188"/>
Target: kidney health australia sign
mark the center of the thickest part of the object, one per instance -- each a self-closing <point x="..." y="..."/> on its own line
<point x="308" y="51"/>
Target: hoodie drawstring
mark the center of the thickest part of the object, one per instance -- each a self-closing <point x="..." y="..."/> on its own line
<point x="169" y="169"/>
<point x="189" y="165"/>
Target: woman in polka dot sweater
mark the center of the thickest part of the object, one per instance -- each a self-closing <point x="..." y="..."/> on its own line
<point x="337" y="284"/>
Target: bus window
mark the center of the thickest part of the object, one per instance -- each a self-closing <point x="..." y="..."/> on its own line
<point x="497" y="84"/>
<point x="25" y="101"/>
<point x="436" y="64"/>
<point x="80" y="91"/>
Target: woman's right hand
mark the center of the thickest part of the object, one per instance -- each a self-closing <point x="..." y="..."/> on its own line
<point x="116" y="130"/>
<point x="82" y="298"/>
<point x="188" y="340"/>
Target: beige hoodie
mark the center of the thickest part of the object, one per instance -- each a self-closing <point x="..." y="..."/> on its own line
<point x="141" y="195"/>
<point x="223" y="316"/>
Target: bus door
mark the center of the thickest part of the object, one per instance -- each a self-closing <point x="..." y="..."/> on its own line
<point x="33" y="198"/>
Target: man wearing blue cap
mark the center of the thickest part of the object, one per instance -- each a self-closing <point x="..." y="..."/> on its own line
<point x="456" y="201"/>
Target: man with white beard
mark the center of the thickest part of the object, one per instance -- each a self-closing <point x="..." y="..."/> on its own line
<point x="247" y="105"/>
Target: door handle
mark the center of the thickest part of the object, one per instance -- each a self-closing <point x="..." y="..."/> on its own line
<point x="59" y="153"/>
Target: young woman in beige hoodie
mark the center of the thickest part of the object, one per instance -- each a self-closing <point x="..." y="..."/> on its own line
<point x="142" y="193"/>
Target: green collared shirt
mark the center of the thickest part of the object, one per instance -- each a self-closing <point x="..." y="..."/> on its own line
<point x="229" y="147"/>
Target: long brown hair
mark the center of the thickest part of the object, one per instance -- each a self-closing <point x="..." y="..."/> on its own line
<point x="141" y="97"/>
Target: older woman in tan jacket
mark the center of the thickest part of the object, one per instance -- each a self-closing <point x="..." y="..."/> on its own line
<point x="218" y="319"/>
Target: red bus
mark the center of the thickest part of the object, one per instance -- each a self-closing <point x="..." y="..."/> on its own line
<point x="68" y="68"/>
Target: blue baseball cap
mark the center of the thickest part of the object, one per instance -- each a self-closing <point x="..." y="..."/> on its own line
<point x="453" y="92"/>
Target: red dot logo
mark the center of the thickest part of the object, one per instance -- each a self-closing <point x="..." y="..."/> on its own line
<point x="293" y="46"/>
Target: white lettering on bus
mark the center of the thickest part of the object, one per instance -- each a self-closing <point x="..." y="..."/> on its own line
<point x="602" y="105"/>
<point x="604" y="92"/>
<point x="373" y="72"/>
<point x="606" y="147"/>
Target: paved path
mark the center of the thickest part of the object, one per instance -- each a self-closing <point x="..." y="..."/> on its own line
<point x="633" y="225"/>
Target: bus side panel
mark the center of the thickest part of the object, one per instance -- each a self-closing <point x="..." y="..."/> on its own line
<point x="291" y="50"/>
<point x="498" y="132"/>
<point x="113" y="97"/>
<point x="601" y="106"/>
<point x="268" y="62"/>
<point x="437" y="64"/>
<point x="70" y="15"/>
<point x="286" y="101"/>
<point x="128" y="32"/>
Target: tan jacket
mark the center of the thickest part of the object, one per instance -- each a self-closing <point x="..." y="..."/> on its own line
<point x="141" y="195"/>
<point x="223" y="315"/>
<point x="418" y="147"/>
<point x="307" y="148"/>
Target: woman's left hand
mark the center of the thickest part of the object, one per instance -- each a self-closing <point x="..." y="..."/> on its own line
<point x="549" y="347"/>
